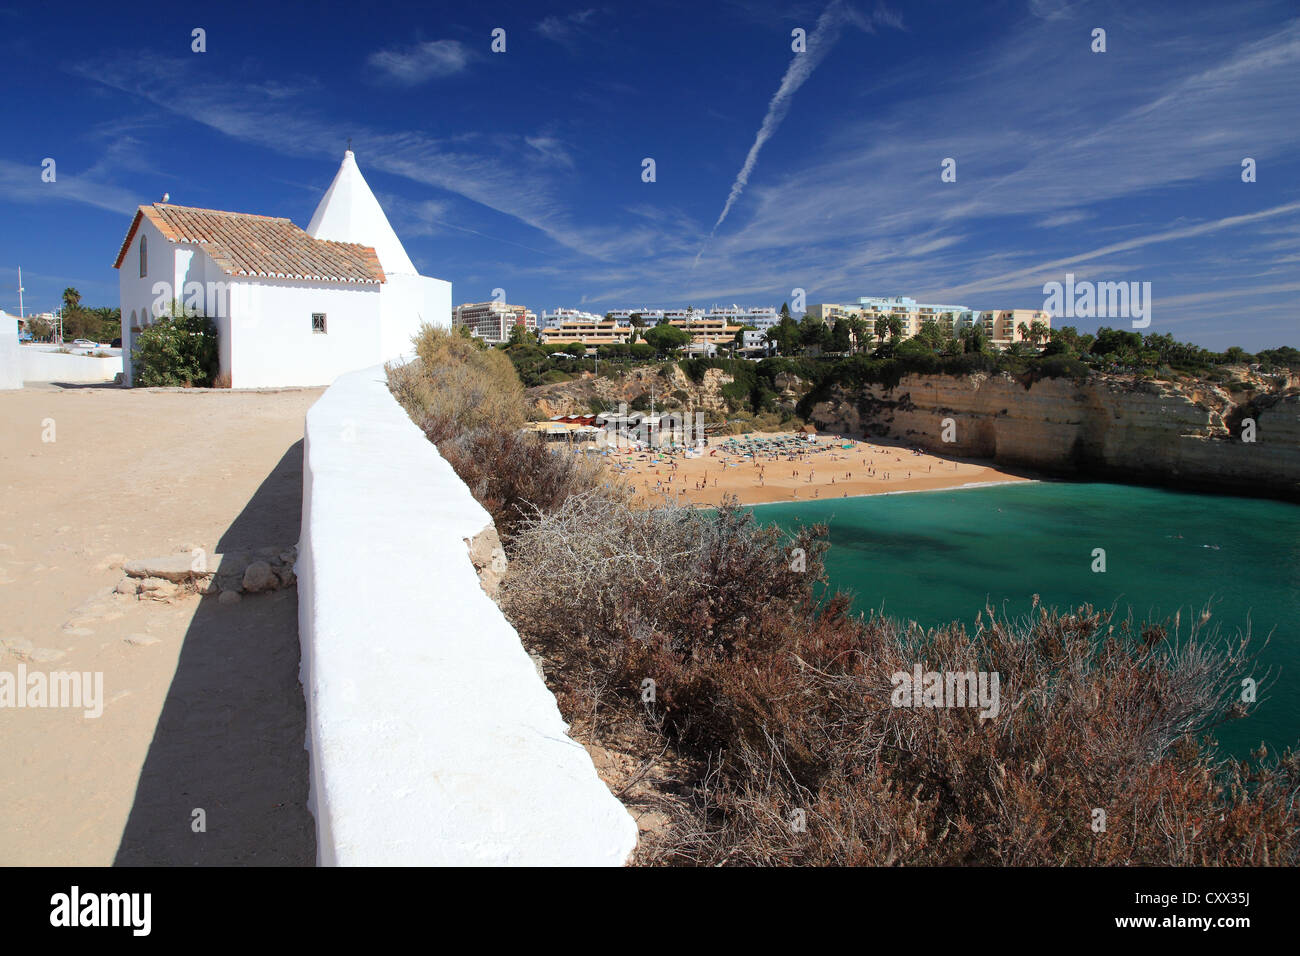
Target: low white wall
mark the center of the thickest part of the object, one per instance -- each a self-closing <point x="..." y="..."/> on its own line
<point x="11" y="374"/>
<point x="433" y="740"/>
<point x="46" y="364"/>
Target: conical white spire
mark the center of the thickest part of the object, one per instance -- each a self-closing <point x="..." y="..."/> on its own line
<point x="351" y="213"/>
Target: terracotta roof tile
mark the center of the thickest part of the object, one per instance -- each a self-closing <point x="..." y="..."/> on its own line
<point x="243" y="244"/>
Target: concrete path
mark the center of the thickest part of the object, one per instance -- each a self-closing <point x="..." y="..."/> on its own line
<point x="203" y="717"/>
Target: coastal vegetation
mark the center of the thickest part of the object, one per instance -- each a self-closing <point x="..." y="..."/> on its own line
<point x="785" y="387"/>
<point x="757" y="709"/>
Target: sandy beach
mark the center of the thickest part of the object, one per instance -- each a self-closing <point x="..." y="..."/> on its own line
<point x="767" y="467"/>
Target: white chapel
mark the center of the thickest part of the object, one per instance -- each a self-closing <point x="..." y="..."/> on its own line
<point x="291" y="306"/>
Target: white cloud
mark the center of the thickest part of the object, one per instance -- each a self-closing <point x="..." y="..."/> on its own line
<point x="551" y="149"/>
<point x="422" y="62"/>
<point x="565" y="30"/>
<point x="22" y="183"/>
<point x="819" y="43"/>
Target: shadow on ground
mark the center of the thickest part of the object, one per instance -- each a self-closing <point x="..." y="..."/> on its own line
<point x="230" y="740"/>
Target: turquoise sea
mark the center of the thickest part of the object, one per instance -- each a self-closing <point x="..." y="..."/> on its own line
<point x="934" y="557"/>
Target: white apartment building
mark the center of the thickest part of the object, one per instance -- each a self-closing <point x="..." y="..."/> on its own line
<point x="648" y="316"/>
<point x="557" y="317"/>
<point x="594" y="331"/>
<point x="1001" y="326"/>
<point x="760" y="318"/>
<point x="492" y="321"/>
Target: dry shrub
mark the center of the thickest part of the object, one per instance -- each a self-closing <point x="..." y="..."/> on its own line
<point x="780" y="702"/>
<point x="513" y="473"/>
<point x="455" y="386"/>
<point x="469" y="402"/>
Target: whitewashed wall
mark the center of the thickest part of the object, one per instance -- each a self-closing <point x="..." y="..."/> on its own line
<point x="408" y="303"/>
<point x="432" y="738"/>
<point x="11" y="373"/>
<point x="273" y="345"/>
<point x="44" y="363"/>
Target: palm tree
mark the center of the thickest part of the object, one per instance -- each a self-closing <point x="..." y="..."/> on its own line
<point x="861" y="331"/>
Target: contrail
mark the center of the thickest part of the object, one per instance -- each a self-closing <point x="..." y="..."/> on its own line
<point x="820" y="41"/>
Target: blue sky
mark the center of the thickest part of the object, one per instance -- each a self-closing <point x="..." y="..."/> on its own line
<point x="523" y="170"/>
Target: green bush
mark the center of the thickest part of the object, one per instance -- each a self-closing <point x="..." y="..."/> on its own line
<point x="176" y="350"/>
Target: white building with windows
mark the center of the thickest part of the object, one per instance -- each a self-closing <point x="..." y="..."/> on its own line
<point x="493" y="321"/>
<point x="292" y="307"/>
<point x="557" y="317"/>
<point x="759" y="318"/>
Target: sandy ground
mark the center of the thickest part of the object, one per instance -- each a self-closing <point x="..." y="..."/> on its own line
<point x="800" y="472"/>
<point x="203" y="710"/>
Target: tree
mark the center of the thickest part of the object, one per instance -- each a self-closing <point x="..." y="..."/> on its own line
<point x="81" y="323"/>
<point x="973" y="339"/>
<point x="519" y="335"/>
<point x="1068" y="336"/>
<point x="74" y="323"/>
<point x="861" y="332"/>
<point x="667" y="338"/>
<point x="42" y="330"/>
<point x="930" y="335"/>
<point x="1117" y="342"/>
<point x="812" y="332"/>
<point x="841" y="337"/>
<point x="1034" y="332"/>
<point x="882" y="328"/>
<point x="784" y="336"/>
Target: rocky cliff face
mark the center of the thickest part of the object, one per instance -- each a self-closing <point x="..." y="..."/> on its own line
<point x="675" y="390"/>
<point x="1106" y="427"/>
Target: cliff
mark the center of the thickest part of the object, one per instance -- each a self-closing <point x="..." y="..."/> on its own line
<point x="1171" y="433"/>
<point x="670" y="391"/>
<point x="1186" y="433"/>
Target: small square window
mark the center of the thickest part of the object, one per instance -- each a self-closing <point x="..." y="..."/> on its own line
<point x="318" y="322"/>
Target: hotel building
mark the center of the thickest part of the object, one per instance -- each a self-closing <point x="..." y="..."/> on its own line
<point x="1001" y="326"/>
<point x="492" y="321"/>
<point x="557" y="317"/>
<point x="594" y="331"/>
